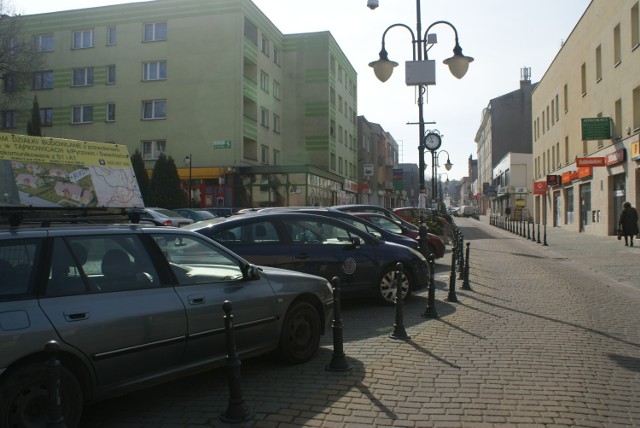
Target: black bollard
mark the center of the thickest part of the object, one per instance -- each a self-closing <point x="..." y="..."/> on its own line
<point x="528" y="229"/>
<point x="538" y="232"/>
<point x="430" y="311"/>
<point x="545" y="236"/>
<point x="451" y="297"/>
<point x="533" y="231"/>
<point x="338" y="361"/>
<point x="465" y="283"/>
<point x="54" y="399"/>
<point x="236" y="411"/>
<point x="398" y="327"/>
<point x="461" y="259"/>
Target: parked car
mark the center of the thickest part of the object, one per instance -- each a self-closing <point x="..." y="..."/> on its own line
<point x="164" y="217"/>
<point x="195" y="214"/>
<point x="133" y="305"/>
<point x="321" y="246"/>
<point x="467" y="211"/>
<point x="435" y="243"/>
<point x="220" y="212"/>
<point x="439" y="225"/>
<point x="358" y="222"/>
<point x="360" y="208"/>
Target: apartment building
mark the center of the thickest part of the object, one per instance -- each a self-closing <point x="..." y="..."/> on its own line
<point x="252" y="117"/>
<point x="586" y="122"/>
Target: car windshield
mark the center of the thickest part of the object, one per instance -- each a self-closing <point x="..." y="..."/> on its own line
<point x="166" y="212"/>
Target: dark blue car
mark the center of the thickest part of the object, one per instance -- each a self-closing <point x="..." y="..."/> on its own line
<point x="321" y="246"/>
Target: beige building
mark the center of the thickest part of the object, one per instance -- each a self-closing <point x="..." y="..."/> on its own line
<point x="586" y="122"/>
<point x="252" y="116"/>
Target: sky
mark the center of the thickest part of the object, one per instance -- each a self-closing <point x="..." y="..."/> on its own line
<point x="503" y="36"/>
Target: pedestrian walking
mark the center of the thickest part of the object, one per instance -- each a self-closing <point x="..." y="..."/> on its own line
<point x="628" y="223"/>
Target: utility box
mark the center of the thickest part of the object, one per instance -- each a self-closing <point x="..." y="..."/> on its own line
<point x="420" y="72"/>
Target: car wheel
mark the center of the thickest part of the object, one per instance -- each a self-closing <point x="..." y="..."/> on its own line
<point x="301" y="331"/>
<point x="387" y="286"/>
<point x="24" y="398"/>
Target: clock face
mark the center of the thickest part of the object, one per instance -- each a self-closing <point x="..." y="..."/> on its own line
<point x="432" y="141"/>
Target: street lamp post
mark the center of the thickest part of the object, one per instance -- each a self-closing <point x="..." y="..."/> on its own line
<point x="443" y="193"/>
<point x="447" y="165"/>
<point x="187" y="161"/>
<point x="420" y="72"/>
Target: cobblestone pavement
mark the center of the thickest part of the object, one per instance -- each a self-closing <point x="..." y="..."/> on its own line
<point x="547" y="336"/>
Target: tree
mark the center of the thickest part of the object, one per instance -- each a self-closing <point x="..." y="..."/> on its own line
<point x="18" y="59"/>
<point x="34" y="127"/>
<point x="141" y="174"/>
<point x="164" y="188"/>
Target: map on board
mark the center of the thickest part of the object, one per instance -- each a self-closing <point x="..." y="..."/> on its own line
<point x="56" y="172"/>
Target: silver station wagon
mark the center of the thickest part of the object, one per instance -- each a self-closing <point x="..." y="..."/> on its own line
<point x="134" y="305"/>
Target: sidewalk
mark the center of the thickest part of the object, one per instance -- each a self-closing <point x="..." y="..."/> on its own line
<point x="605" y="255"/>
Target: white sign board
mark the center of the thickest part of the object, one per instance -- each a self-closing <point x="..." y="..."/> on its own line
<point x="368" y="170"/>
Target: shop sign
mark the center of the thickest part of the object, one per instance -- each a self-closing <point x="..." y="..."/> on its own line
<point x="368" y="169"/>
<point x="398" y="178"/>
<point x="568" y="177"/>
<point x="599" y="161"/>
<point x="553" y="180"/>
<point x="584" y="171"/>
<point x="596" y="128"/>
<point x="350" y="186"/>
<point x="635" y="151"/>
<point x="540" y="188"/>
<point x="521" y="203"/>
<point x="521" y="190"/>
<point x="615" y="157"/>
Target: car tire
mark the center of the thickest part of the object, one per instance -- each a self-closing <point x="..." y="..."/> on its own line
<point x="24" y="397"/>
<point x="386" y="291"/>
<point x="301" y="330"/>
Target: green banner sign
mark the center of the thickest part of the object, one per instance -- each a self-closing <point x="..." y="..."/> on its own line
<point x="596" y="128"/>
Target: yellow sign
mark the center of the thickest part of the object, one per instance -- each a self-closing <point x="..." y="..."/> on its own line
<point x="25" y="148"/>
<point x="521" y="203"/>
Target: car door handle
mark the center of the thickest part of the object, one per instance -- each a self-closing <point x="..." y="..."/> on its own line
<point x="199" y="300"/>
<point x="302" y="256"/>
<point x="76" y="316"/>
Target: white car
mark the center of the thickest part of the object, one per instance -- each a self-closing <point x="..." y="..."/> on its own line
<point x="164" y="217"/>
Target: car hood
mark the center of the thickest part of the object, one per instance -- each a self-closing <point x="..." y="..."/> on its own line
<point x="284" y="280"/>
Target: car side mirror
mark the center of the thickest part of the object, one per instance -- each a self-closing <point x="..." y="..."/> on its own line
<point x="251" y="272"/>
<point x="355" y="242"/>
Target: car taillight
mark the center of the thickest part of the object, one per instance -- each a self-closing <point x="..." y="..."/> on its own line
<point x="167" y="223"/>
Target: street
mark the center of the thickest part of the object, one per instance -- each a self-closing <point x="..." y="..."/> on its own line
<point x="547" y="336"/>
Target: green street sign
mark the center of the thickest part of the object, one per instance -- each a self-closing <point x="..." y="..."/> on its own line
<point x="596" y="128"/>
<point x="222" y="144"/>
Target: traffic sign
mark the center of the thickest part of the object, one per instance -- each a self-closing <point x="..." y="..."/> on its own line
<point x="222" y="144"/>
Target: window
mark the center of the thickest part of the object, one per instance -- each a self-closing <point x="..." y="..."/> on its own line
<point x="46" y="116"/>
<point x="636" y="108"/>
<point x="111" y="112"/>
<point x="10" y="83"/>
<point x="264" y="154"/>
<point x="598" y="63"/>
<point x="276" y="89"/>
<point x="9" y="119"/>
<point x="151" y="149"/>
<point x="568" y="212"/>
<point x="616" y="45"/>
<point x="81" y="114"/>
<point x="583" y="77"/>
<point x="276" y="157"/>
<point x="565" y="97"/>
<point x="18" y="257"/>
<point x="276" y="56"/>
<point x="154" y="109"/>
<point x="557" y="108"/>
<point x="43" y="43"/>
<point x="264" y="117"/>
<point x="635" y="26"/>
<point x="264" y="45"/>
<point x="276" y="123"/>
<point x="82" y="76"/>
<point x="617" y="124"/>
<point x="566" y="150"/>
<point x="264" y="81"/>
<point x="82" y="39"/>
<point x="43" y="80"/>
<point x="111" y="74"/>
<point x="111" y="36"/>
<point x="154" y="70"/>
<point x="154" y="32"/>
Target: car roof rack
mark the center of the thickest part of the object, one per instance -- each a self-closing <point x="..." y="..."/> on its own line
<point x="45" y="217"/>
